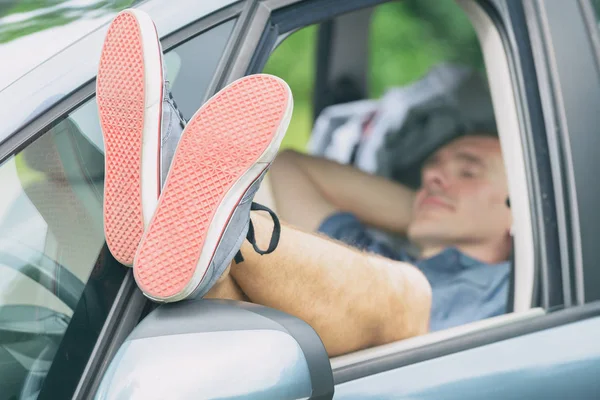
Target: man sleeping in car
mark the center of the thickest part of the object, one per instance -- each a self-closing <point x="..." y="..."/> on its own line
<point x="357" y="290"/>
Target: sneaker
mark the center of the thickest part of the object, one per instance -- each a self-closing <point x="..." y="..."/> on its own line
<point x="140" y="125"/>
<point x="203" y="214"/>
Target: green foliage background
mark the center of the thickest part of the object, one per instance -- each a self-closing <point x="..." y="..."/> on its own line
<point x="407" y="38"/>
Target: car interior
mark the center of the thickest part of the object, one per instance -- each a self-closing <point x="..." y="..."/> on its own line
<point x="55" y="184"/>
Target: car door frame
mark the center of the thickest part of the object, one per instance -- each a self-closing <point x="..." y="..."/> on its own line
<point x="567" y="101"/>
<point x="248" y="52"/>
<point x="279" y="17"/>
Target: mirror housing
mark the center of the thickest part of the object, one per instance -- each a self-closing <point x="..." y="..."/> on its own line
<point x="219" y="349"/>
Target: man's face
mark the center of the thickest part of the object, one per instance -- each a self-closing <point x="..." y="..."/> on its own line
<point x="463" y="195"/>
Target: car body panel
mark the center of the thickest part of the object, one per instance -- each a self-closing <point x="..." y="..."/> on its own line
<point x="539" y="365"/>
<point x="45" y="28"/>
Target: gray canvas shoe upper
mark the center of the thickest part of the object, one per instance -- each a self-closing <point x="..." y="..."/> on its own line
<point x="239" y="228"/>
<point x="172" y="126"/>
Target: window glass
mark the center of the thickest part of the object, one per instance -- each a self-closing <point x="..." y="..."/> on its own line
<point x="596" y="6"/>
<point x="51" y="236"/>
<point x="192" y="65"/>
<point x="596" y="20"/>
<point x="52" y="248"/>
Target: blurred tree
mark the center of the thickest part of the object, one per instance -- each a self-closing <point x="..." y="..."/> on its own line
<point x="294" y="60"/>
<point x="407" y="39"/>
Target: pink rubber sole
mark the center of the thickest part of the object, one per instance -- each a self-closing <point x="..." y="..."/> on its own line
<point x="225" y="138"/>
<point x="120" y="96"/>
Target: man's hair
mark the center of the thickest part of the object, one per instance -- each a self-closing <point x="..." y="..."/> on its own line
<point x="415" y="177"/>
<point x="465" y="133"/>
<point x="486" y="133"/>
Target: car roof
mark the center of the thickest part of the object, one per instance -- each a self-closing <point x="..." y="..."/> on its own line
<point x="32" y="32"/>
<point x="70" y="68"/>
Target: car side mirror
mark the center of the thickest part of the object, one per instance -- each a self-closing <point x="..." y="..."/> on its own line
<point x="219" y="349"/>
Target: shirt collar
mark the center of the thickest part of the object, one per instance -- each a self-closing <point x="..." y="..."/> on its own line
<point x="453" y="259"/>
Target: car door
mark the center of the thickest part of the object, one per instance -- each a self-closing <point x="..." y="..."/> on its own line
<point x="527" y="359"/>
<point x="530" y="59"/>
<point x="65" y="303"/>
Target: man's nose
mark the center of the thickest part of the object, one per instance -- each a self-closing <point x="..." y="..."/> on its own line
<point x="434" y="177"/>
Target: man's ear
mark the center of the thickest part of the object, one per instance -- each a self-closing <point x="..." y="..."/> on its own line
<point x="511" y="227"/>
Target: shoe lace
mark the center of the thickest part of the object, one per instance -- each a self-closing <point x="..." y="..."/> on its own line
<point x="171" y="100"/>
<point x="252" y="238"/>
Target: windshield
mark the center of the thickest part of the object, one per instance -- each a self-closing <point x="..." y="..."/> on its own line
<point x="33" y="31"/>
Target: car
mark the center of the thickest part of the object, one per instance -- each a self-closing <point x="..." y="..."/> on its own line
<point x="73" y="323"/>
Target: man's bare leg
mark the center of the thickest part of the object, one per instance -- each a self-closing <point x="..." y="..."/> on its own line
<point x="353" y="300"/>
<point x="264" y="194"/>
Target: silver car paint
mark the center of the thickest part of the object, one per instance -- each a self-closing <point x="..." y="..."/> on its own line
<point x="77" y="64"/>
<point x="562" y="362"/>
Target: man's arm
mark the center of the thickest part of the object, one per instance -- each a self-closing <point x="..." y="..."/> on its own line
<point x="308" y="189"/>
<point x="352" y="299"/>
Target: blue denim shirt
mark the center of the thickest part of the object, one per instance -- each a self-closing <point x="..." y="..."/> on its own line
<point x="463" y="289"/>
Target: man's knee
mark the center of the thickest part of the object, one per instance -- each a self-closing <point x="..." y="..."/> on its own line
<point x="286" y="158"/>
<point x="283" y="163"/>
<point x="417" y="295"/>
<point x="401" y="299"/>
<point x="287" y="168"/>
